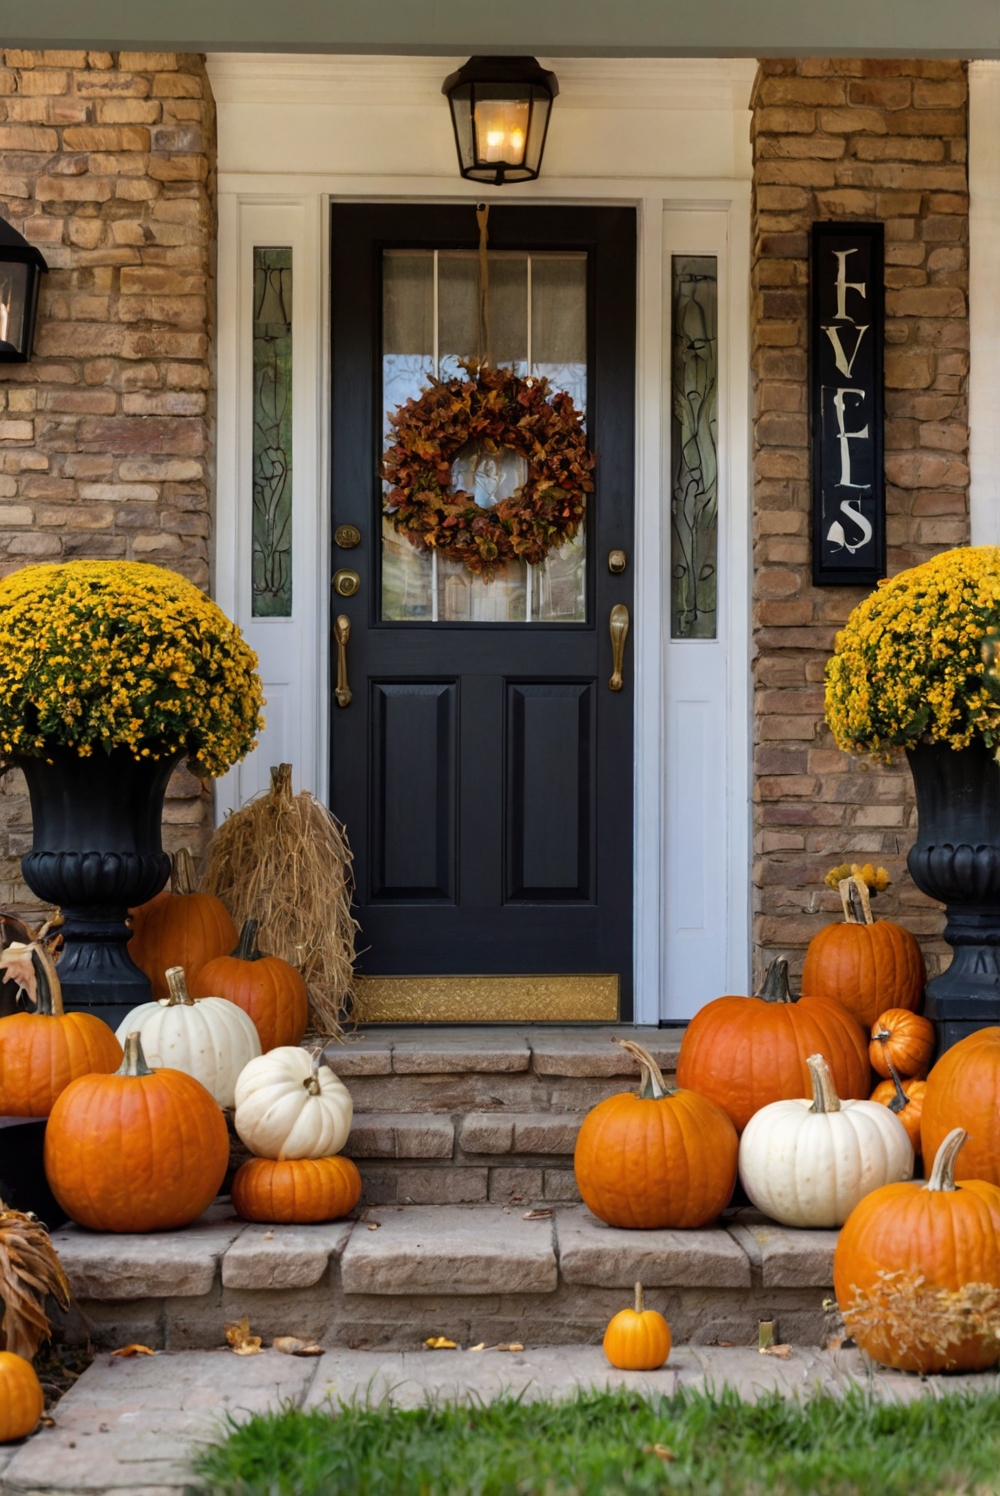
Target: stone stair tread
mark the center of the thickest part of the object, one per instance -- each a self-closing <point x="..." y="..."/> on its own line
<point x="400" y="1135"/>
<point x="786" y="1256"/>
<point x="447" y="1249"/>
<point x="593" y="1253"/>
<point x="558" y="1050"/>
<point x="282" y="1257"/>
<point x="519" y="1132"/>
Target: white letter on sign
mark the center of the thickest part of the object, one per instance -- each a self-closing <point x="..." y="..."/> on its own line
<point x="843" y="364"/>
<point x="835" y="535"/>
<point x="846" y="437"/>
<point x="844" y="285"/>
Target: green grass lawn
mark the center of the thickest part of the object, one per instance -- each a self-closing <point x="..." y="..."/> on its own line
<point x="604" y="1443"/>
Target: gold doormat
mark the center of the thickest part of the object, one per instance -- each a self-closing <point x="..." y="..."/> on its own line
<point x="508" y="999"/>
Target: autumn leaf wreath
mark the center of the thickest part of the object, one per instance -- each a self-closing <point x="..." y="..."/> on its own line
<point x="493" y="409"/>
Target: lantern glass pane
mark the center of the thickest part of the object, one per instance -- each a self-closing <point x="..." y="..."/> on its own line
<point x="540" y="105"/>
<point x="460" y="100"/>
<point x="501" y="125"/>
<point x="272" y="434"/>
<point x="694" y="496"/>
<point x="13" y="303"/>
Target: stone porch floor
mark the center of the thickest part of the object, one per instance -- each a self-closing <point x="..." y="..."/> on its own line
<point x="133" y="1425"/>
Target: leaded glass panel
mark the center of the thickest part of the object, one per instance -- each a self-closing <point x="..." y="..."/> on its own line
<point x="272" y="433"/>
<point x="694" y="447"/>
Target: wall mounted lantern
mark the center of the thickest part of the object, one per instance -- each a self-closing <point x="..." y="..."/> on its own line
<point x="500" y="110"/>
<point x="21" y="268"/>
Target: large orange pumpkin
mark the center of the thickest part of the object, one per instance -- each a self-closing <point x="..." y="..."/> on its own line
<point x="179" y="928"/>
<point x="868" y="965"/>
<point x="906" y="1099"/>
<point x="901" y="1040"/>
<point x="296" y="1189"/>
<point x="42" y="1051"/>
<point x="22" y="1401"/>
<point x="963" y="1090"/>
<point x="915" y="1262"/>
<point x="745" y="1052"/>
<point x="270" y="991"/>
<point x="662" y="1158"/>
<point x="140" y="1150"/>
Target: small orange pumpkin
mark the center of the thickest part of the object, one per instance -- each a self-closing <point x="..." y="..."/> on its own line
<point x="180" y="928"/>
<point x="637" y="1339"/>
<point x="140" y="1150"/>
<point x="745" y="1052"/>
<point x="901" y="1039"/>
<point x="963" y="1090"/>
<point x="22" y="1401"/>
<point x="868" y="965"/>
<point x="911" y="1263"/>
<point x="906" y="1099"/>
<point x="270" y="991"/>
<point x="296" y="1189"/>
<point x="43" y="1051"/>
<point x="662" y="1158"/>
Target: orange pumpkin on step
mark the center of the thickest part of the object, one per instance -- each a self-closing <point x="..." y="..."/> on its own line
<point x="43" y="1051"/>
<point x="865" y="964"/>
<point x="903" y="1041"/>
<point x="662" y="1158"/>
<point x="745" y="1052"/>
<point x="22" y="1401"/>
<point x="140" y="1150"/>
<point x="296" y="1189"/>
<point x="963" y="1090"/>
<point x="913" y="1266"/>
<point x="180" y="928"/>
<point x="906" y="1099"/>
<point x="270" y="991"/>
<point x="637" y="1339"/>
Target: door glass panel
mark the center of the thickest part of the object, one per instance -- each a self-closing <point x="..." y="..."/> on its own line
<point x="694" y="497"/>
<point x="430" y="323"/>
<point x="271" y="532"/>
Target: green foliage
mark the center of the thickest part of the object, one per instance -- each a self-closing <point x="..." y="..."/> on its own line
<point x="602" y="1444"/>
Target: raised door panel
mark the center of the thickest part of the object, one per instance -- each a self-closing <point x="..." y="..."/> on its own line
<point x="413" y="790"/>
<point x="550" y="786"/>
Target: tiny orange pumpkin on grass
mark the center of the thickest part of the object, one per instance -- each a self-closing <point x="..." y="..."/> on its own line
<point x="637" y="1339"/>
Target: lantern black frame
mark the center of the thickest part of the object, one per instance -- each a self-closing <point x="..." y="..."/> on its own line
<point x="533" y="84"/>
<point x="15" y="250"/>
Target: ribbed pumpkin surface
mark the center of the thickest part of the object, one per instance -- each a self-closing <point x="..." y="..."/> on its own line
<point x="867" y="968"/>
<point x="296" y="1189"/>
<point x="269" y="990"/>
<point x="963" y="1090"/>
<point x="40" y="1053"/>
<point x="179" y="929"/>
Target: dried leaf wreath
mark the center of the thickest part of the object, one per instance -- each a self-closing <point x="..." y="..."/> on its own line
<point x="496" y="409"/>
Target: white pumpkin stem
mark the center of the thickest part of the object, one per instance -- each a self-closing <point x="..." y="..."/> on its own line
<point x="943" y="1173"/>
<point x="183" y="874"/>
<point x="825" y="1098"/>
<point x="134" y="1062"/>
<point x="178" y="988"/>
<point x="855" y="899"/>
<point x="640" y="1302"/>
<point x="311" y="1084"/>
<point x="651" y="1083"/>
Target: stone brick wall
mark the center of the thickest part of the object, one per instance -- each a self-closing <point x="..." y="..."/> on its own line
<point x="840" y="139"/>
<point x="107" y="164"/>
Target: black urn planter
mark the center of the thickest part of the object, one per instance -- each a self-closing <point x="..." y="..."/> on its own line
<point x="956" y="859"/>
<point x="96" y="852"/>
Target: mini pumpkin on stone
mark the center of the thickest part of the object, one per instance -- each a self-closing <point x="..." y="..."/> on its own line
<point x="296" y="1190"/>
<point x="865" y="964"/>
<point x="22" y="1401"/>
<point x="659" y="1158"/>
<point x="637" y="1339"/>
<point x="270" y="991"/>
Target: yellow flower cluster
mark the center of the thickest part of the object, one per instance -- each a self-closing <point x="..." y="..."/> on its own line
<point x="908" y="666"/>
<point x="109" y="654"/>
<point x="876" y="880"/>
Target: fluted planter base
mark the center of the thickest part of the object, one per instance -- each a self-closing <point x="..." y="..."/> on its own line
<point x="956" y="860"/>
<point x="96" y="853"/>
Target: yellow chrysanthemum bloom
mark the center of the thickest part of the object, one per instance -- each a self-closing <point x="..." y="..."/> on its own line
<point x="908" y="666"/>
<point x="123" y="654"/>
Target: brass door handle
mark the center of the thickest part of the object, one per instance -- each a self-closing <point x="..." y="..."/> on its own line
<point x="618" y="624"/>
<point x="342" y="632"/>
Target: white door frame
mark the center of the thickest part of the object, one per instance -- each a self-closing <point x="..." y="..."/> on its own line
<point x="678" y="964"/>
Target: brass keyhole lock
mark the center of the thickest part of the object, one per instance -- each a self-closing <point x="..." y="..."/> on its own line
<point x="617" y="562"/>
<point x="347" y="536"/>
<point x="346" y="583"/>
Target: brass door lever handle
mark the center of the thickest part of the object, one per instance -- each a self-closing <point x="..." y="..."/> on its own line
<point x="342" y="632"/>
<point x="618" y="625"/>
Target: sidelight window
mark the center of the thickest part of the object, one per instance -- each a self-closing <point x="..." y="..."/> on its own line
<point x="272" y="433"/>
<point x="694" y="496"/>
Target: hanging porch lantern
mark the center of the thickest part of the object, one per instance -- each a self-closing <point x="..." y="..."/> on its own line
<point x="21" y="267"/>
<point x="500" y="110"/>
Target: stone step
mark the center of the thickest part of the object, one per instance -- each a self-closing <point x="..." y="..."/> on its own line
<point x="480" y="1273"/>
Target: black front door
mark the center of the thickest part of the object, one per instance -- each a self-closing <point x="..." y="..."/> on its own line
<point x="483" y="766"/>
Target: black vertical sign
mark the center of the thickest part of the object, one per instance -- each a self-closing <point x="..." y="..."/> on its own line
<point x="846" y="338"/>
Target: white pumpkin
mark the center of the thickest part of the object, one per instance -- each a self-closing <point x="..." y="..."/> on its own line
<point x="809" y="1163"/>
<point x="207" y="1037"/>
<point x="288" y="1105"/>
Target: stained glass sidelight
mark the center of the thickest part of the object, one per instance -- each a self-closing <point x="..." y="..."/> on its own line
<point x="272" y="433"/>
<point x="694" y="498"/>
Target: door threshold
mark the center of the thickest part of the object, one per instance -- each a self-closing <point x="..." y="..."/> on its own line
<point x="583" y="998"/>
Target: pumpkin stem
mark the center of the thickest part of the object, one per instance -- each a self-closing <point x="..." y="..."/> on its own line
<point x="640" y="1303"/>
<point x="183" y="875"/>
<point x="312" y="1084"/>
<point x="134" y="1062"/>
<point x="775" y="988"/>
<point x="281" y="782"/>
<point x="943" y="1172"/>
<point x="900" y="1100"/>
<point x="246" y="946"/>
<point x="825" y="1098"/>
<point x="177" y="987"/>
<point x="856" y="902"/>
<point x="651" y="1084"/>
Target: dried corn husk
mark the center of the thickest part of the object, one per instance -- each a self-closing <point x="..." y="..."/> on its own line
<point x="29" y="1270"/>
<point x="285" y="861"/>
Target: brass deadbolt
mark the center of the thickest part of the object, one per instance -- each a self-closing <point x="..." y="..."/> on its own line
<point x="347" y="536"/>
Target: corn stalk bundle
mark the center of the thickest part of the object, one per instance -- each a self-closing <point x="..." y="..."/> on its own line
<point x="30" y="1270"/>
<point x="285" y="861"/>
